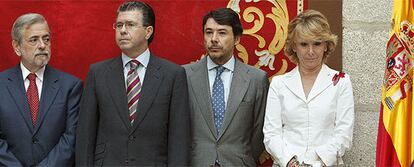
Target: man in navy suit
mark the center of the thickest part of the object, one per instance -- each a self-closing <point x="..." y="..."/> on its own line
<point x="38" y="104"/>
<point x="134" y="110"/>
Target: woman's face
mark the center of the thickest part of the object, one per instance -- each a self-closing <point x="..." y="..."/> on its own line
<point x="310" y="53"/>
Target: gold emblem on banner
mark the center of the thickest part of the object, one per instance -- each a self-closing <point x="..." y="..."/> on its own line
<point x="255" y="16"/>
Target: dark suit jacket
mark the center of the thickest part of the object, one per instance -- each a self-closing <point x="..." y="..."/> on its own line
<point x="160" y="135"/>
<point x="241" y="140"/>
<point x="52" y="141"/>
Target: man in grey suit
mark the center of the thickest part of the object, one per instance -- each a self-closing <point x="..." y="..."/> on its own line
<point x="227" y="98"/>
<point x="38" y="104"/>
<point x="134" y="111"/>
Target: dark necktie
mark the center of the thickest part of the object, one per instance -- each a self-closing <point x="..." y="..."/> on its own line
<point x="33" y="97"/>
<point x="218" y="99"/>
<point x="133" y="89"/>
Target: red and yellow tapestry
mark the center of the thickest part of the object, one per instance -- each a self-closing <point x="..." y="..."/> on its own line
<point x="395" y="145"/>
<point x="82" y="31"/>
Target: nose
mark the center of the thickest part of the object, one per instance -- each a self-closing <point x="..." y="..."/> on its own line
<point x="214" y="37"/>
<point x="42" y="45"/>
<point x="123" y="29"/>
<point x="311" y="49"/>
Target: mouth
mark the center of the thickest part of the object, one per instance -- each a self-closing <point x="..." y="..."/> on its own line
<point x="214" y="48"/>
<point x="42" y="54"/>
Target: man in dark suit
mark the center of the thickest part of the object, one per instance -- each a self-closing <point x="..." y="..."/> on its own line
<point x="227" y="98"/>
<point x="38" y="104"/>
<point x="134" y="110"/>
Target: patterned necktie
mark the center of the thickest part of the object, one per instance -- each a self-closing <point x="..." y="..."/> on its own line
<point x="33" y="97"/>
<point x="218" y="99"/>
<point x="133" y="89"/>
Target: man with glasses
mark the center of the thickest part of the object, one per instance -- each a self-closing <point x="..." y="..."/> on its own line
<point x="38" y="104"/>
<point x="134" y="110"/>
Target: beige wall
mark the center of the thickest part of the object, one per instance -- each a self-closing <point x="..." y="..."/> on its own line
<point x="365" y="33"/>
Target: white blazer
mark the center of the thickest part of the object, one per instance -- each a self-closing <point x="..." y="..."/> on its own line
<point x="319" y="126"/>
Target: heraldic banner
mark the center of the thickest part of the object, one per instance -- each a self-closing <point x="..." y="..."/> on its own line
<point x="395" y="145"/>
<point x="82" y="31"/>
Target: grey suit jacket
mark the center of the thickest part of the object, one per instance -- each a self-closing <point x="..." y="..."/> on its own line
<point x="241" y="142"/>
<point x="160" y="135"/>
<point x="51" y="142"/>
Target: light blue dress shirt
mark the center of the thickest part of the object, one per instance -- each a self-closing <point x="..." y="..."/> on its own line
<point x="142" y="68"/>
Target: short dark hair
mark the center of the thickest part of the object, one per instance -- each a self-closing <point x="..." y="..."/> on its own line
<point x="225" y="16"/>
<point x="148" y="16"/>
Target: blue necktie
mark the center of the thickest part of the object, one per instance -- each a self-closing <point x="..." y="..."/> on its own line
<point x="218" y="99"/>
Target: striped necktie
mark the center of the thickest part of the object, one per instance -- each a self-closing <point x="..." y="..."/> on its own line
<point x="133" y="89"/>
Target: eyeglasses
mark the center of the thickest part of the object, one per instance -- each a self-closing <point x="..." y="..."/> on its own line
<point x="38" y="40"/>
<point x="128" y="25"/>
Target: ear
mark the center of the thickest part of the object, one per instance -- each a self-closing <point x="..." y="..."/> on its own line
<point x="16" y="47"/>
<point x="148" y="32"/>
<point x="236" y="40"/>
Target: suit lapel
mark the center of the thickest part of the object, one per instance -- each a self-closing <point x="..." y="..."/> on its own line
<point x="239" y="85"/>
<point x="152" y="81"/>
<point x="17" y="91"/>
<point x="323" y="80"/>
<point x="201" y="89"/>
<point x="49" y="91"/>
<point x="116" y="86"/>
<point x="294" y="83"/>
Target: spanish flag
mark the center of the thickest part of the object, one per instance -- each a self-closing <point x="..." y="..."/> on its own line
<point x="395" y="145"/>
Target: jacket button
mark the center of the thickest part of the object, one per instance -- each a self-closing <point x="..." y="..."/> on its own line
<point x="35" y="141"/>
<point x="131" y="137"/>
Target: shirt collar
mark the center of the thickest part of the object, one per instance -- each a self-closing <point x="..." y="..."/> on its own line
<point x="39" y="74"/>
<point x="142" y="58"/>
<point x="229" y="65"/>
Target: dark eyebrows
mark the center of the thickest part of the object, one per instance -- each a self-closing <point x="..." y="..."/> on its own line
<point x="37" y="36"/>
<point x="211" y="29"/>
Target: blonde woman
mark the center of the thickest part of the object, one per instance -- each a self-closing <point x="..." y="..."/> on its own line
<point x="310" y="110"/>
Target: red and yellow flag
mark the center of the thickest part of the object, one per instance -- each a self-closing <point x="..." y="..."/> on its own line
<point x="395" y="146"/>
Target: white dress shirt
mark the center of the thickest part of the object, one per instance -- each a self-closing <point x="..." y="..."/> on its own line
<point x="39" y="78"/>
<point x="143" y="59"/>
<point x="319" y="126"/>
<point x="226" y="76"/>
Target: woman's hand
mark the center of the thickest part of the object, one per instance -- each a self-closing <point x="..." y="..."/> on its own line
<point x="293" y="162"/>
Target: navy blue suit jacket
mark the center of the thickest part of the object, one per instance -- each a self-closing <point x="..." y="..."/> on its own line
<point x="51" y="142"/>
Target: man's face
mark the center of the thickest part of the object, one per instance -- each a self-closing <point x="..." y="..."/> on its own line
<point x="219" y="41"/>
<point x="34" y="47"/>
<point x="131" y="35"/>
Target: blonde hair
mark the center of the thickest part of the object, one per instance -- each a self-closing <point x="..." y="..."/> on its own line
<point x="312" y="25"/>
